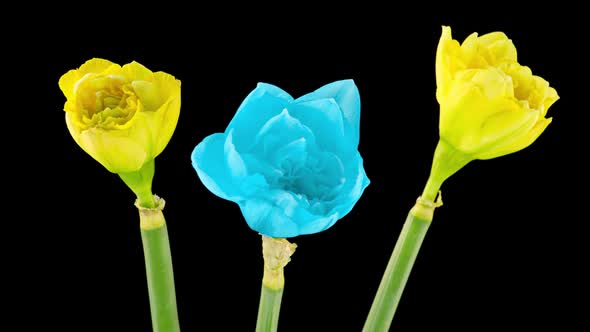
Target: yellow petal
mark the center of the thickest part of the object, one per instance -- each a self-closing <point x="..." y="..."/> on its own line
<point x="551" y="97"/>
<point x="168" y="86"/>
<point x="522" y="78"/>
<point x="522" y="142"/>
<point x="536" y="97"/>
<point x="462" y="115"/>
<point x="135" y="71"/>
<point x="149" y="95"/>
<point x="448" y="61"/>
<point x="492" y="82"/>
<point x="442" y="72"/>
<point x="474" y="55"/>
<point x="470" y="45"/>
<point x="117" y="150"/>
<point x="507" y="125"/>
<point x="167" y="119"/>
<point x="67" y="82"/>
<point x="491" y="38"/>
<point x="96" y="65"/>
<point x="73" y="128"/>
<point x="499" y="48"/>
<point x="114" y="150"/>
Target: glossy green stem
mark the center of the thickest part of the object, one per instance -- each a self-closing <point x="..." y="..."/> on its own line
<point x="396" y="275"/>
<point x="268" y="309"/>
<point x="160" y="279"/>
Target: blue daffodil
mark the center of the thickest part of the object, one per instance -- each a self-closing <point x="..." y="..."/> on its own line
<point x="292" y="165"/>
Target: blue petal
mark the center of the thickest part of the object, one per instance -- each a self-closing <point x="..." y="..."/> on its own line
<point x="266" y="217"/>
<point x="325" y="119"/>
<point x="235" y="163"/>
<point x="311" y="224"/>
<point x="282" y="214"/>
<point x="223" y="171"/>
<point x="294" y="152"/>
<point x="347" y="97"/>
<point x="351" y="192"/>
<point x="209" y="161"/>
<point x="280" y="130"/>
<point x="261" y="104"/>
<point x="328" y="177"/>
<point x="257" y="165"/>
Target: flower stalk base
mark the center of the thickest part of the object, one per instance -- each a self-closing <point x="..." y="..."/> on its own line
<point x="158" y="264"/>
<point x="400" y="265"/>
<point x="277" y="253"/>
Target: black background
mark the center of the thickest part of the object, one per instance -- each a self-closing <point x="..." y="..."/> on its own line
<point x="507" y="250"/>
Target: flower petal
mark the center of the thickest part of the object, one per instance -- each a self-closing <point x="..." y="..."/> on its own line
<point x="163" y="123"/>
<point x="260" y="165"/>
<point x="209" y="161"/>
<point x="278" y="131"/>
<point x="499" y="47"/>
<point x="311" y="224"/>
<point x="350" y="193"/>
<point x="108" y="148"/>
<point x="551" y="97"/>
<point x="325" y="119"/>
<point x="522" y="142"/>
<point x="167" y="84"/>
<point x="346" y="95"/>
<point x="267" y="218"/>
<point x="135" y="71"/>
<point x="448" y="61"/>
<point x="493" y="82"/>
<point x="281" y="214"/>
<point x="69" y="79"/>
<point x="293" y="152"/>
<point x="462" y="113"/>
<point x="148" y="94"/>
<point x="265" y="102"/>
<point x="235" y="163"/>
<point x="67" y="83"/>
<point x="97" y="66"/>
<point x="510" y="121"/>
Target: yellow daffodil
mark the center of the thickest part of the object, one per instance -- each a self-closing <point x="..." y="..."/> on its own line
<point x="490" y="105"/>
<point x="121" y="116"/>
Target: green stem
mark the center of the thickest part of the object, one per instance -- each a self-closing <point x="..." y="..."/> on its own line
<point x="446" y="162"/>
<point x="397" y="273"/>
<point x="158" y="263"/>
<point x="268" y="309"/>
<point x="277" y="253"/>
<point x="140" y="182"/>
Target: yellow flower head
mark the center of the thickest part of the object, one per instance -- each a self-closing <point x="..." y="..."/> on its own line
<point x="490" y="105"/>
<point x="121" y="116"/>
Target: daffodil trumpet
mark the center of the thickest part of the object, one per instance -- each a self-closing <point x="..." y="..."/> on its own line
<point x="123" y="117"/>
<point x="490" y="106"/>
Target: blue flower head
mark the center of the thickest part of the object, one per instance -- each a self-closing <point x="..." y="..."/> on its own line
<point x="292" y="166"/>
